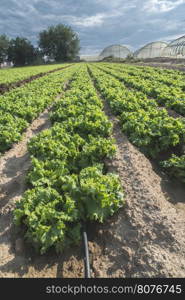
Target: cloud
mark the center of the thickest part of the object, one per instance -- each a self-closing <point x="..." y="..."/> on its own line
<point x="91" y="50"/>
<point x="161" y="6"/>
<point x="99" y="23"/>
<point x="91" y="21"/>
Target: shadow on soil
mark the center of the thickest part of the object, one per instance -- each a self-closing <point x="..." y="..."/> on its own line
<point x="172" y="188"/>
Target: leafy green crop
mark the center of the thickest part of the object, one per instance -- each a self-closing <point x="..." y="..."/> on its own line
<point x="49" y="218"/>
<point x="13" y="75"/>
<point x="175" y="166"/>
<point x="22" y="105"/>
<point x="167" y="88"/>
<point x="100" y="196"/>
<point x="152" y="131"/>
<point x="69" y="180"/>
<point x="148" y="127"/>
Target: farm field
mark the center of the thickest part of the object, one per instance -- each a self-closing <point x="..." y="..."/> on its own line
<point x="101" y="144"/>
<point x="20" y="106"/>
<point x="11" y="75"/>
<point x="146" y="120"/>
<point x="15" y="77"/>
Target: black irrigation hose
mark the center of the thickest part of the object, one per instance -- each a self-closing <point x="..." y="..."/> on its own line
<point x="87" y="271"/>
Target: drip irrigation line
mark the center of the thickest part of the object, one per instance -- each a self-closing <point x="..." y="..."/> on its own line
<point x="87" y="271"/>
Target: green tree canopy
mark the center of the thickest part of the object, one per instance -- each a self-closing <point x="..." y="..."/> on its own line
<point x="59" y="42"/>
<point x="21" y="52"/>
<point x="4" y="44"/>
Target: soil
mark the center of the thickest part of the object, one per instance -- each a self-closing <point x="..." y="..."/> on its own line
<point x="145" y="239"/>
<point x="7" y="87"/>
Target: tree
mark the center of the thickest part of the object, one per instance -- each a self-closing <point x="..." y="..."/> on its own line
<point x="4" y="44"/>
<point x="59" y="42"/>
<point x="38" y="57"/>
<point x="21" y="52"/>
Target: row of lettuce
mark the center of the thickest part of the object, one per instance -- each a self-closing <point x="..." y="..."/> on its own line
<point x="149" y="128"/>
<point x="12" y="75"/>
<point x="22" y="105"/>
<point x="69" y="182"/>
<point x="173" y="78"/>
<point x="169" y="96"/>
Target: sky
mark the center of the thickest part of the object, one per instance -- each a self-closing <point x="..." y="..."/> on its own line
<point x="99" y="23"/>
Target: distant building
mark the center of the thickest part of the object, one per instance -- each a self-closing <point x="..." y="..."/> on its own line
<point x="6" y="64"/>
<point x="89" y="58"/>
<point x="151" y="50"/>
<point x="117" y="51"/>
<point x="175" y="49"/>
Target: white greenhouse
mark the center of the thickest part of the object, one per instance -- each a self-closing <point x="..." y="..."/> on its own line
<point x="175" y="49"/>
<point x="151" y="50"/>
<point x="117" y="51"/>
<point x="89" y="58"/>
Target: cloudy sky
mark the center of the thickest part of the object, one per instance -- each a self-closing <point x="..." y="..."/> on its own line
<point x="99" y="23"/>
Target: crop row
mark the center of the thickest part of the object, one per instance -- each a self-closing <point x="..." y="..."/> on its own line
<point x="165" y="77"/>
<point x="168" y="96"/>
<point x="149" y="128"/>
<point x="173" y="80"/>
<point x="13" y="75"/>
<point x="22" y="105"/>
<point x="70" y="183"/>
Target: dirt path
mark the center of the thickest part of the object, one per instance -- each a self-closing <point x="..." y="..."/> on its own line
<point x="147" y="238"/>
<point x="16" y="257"/>
<point x="13" y="169"/>
<point x="15" y="164"/>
